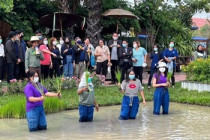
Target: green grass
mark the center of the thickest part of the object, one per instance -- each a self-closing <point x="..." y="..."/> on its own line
<point x="13" y="106"/>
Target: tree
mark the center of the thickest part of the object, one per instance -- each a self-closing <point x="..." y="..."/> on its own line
<point x="26" y="14"/>
<point x="6" y="5"/>
<point x="94" y="27"/>
<point x="165" y="23"/>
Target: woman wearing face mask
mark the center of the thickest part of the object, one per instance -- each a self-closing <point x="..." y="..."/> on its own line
<point x="56" y="60"/>
<point x="47" y="62"/>
<point x="61" y="43"/>
<point x="35" y="93"/>
<point x="170" y="56"/>
<point x="161" y="94"/>
<point x="155" y="58"/>
<point x="130" y="102"/>
<point x="87" y="100"/>
<point x="67" y="53"/>
<point x="199" y="53"/>
<point x="139" y="57"/>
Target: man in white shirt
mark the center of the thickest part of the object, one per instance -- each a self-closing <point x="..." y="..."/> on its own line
<point x="2" y="54"/>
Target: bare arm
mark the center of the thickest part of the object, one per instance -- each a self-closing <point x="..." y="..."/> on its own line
<point x="36" y="99"/>
<point x="96" y="105"/>
<point x="142" y="95"/>
<point x="51" y="94"/>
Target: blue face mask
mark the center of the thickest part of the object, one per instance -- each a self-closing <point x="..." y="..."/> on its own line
<point x="171" y="45"/>
<point x="124" y="45"/>
<point x="131" y="77"/>
<point x="79" y="42"/>
<point x="155" y="49"/>
<point x="89" y="79"/>
<point x="0" y="41"/>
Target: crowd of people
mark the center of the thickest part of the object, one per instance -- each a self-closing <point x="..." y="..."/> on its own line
<point x="51" y="57"/>
<point x="39" y="58"/>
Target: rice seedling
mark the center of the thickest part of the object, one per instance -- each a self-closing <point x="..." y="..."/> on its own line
<point x="118" y="76"/>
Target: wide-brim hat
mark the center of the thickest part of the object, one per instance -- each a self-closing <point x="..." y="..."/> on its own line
<point x="162" y="64"/>
<point x="33" y="38"/>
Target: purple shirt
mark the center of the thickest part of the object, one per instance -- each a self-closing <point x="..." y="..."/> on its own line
<point x="31" y="91"/>
<point x="161" y="80"/>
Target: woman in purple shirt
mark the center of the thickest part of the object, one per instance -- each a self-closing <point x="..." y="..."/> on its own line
<point x="35" y="93"/>
<point x="161" y="94"/>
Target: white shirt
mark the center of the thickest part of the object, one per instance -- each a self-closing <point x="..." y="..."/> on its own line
<point x="2" y="50"/>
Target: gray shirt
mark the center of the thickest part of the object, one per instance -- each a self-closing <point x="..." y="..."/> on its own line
<point x="87" y="98"/>
<point x="114" y="52"/>
<point x="131" y="88"/>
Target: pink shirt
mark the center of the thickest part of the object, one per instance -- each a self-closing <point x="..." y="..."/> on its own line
<point x="104" y="53"/>
<point x="47" y="56"/>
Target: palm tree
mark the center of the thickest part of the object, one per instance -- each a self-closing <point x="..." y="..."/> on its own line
<point x="94" y="27"/>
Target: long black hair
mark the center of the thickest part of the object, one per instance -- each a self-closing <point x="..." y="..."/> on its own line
<point x="67" y="37"/>
<point x="159" y="73"/>
<point x="153" y="52"/>
<point x="127" y="75"/>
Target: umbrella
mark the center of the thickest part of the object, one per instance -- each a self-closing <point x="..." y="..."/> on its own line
<point x="119" y="13"/>
<point x="59" y="21"/>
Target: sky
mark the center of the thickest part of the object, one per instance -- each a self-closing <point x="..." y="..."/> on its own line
<point x="197" y="15"/>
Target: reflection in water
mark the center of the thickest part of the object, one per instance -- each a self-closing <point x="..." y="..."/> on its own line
<point x="184" y="122"/>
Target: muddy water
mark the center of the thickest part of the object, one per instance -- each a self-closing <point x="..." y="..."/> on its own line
<point x="185" y="122"/>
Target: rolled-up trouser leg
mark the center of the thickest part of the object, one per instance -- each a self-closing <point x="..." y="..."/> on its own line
<point x="125" y="108"/>
<point x="157" y="100"/>
<point x="32" y="118"/>
<point x="42" y="125"/>
<point x="90" y="112"/>
<point x="83" y="113"/>
<point x="134" y="108"/>
<point x="165" y="103"/>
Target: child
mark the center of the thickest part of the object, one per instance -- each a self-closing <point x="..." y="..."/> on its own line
<point x="130" y="103"/>
<point x="86" y="99"/>
<point x="161" y="95"/>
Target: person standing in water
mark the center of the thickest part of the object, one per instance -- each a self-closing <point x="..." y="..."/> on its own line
<point x="35" y="95"/>
<point x="86" y="99"/>
<point x="130" y="102"/>
<point x="161" y="94"/>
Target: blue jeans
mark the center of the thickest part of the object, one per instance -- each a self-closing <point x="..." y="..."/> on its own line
<point x="36" y="119"/>
<point x="68" y="67"/>
<point x="86" y="113"/>
<point x="152" y="71"/>
<point x="161" y="98"/>
<point x="129" y="109"/>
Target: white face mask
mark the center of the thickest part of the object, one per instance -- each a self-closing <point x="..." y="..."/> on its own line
<point x="115" y="38"/>
<point x="45" y="42"/>
<point x="162" y="69"/>
<point x="36" y="79"/>
<point x="54" y="42"/>
<point x="135" y="45"/>
<point x="61" y="42"/>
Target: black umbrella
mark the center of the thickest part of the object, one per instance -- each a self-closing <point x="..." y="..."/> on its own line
<point x="59" y="21"/>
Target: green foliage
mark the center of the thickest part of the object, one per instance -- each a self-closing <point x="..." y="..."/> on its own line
<point x="6" y="5"/>
<point x="198" y="70"/>
<point x="26" y="14"/>
<point x="118" y="75"/>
